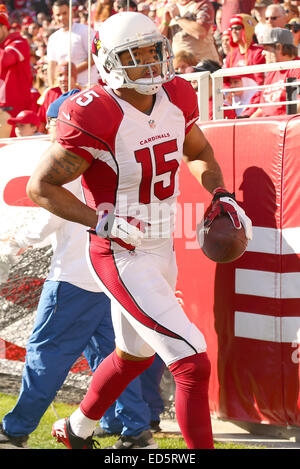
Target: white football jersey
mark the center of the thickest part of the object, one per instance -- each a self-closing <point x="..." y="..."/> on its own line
<point x="134" y="157"/>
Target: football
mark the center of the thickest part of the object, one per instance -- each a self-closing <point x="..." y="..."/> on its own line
<point x="222" y="242"/>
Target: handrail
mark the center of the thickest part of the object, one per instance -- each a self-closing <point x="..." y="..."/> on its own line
<point x="218" y="90"/>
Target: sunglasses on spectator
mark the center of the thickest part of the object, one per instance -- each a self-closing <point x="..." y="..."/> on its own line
<point x="272" y="18"/>
<point x="236" y="28"/>
<point x="293" y="27"/>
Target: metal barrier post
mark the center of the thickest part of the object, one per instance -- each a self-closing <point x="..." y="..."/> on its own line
<point x="217" y="85"/>
<point x="291" y="95"/>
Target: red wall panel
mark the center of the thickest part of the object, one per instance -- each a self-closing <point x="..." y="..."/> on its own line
<point x="244" y="308"/>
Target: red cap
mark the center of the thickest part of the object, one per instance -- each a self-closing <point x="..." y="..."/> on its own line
<point x="4" y="16"/>
<point x="15" y="25"/>
<point x="226" y="32"/>
<point x="27" y="20"/>
<point x="25" y="117"/>
<point x="236" y="19"/>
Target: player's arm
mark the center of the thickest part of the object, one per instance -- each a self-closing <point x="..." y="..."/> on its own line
<point x="56" y="168"/>
<point x="199" y="157"/>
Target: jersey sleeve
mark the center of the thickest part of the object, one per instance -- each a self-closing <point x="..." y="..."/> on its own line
<point x="182" y="94"/>
<point x="87" y="124"/>
<point x="70" y="135"/>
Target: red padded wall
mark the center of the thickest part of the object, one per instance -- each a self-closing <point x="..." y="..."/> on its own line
<point x="242" y="307"/>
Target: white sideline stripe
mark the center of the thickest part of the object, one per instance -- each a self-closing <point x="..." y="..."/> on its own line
<point x="270" y="328"/>
<point x="267" y="284"/>
<point x="269" y="240"/>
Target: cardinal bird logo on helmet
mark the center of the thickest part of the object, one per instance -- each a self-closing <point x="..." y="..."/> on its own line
<point x="96" y="44"/>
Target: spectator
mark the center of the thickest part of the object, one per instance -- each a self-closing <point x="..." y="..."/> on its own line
<point x="103" y="9"/>
<point x="34" y="29"/>
<point x="41" y="48"/>
<point x="5" y="128"/>
<point x="243" y="50"/>
<point x="27" y="20"/>
<point x="183" y="61"/>
<point x="52" y="93"/>
<point x="35" y="96"/>
<point x="41" y="75"/>
<point x="278" y="44"/>
<point x="218" y="31"/>
<point x="296" y="3"/>
<point x="26" y="35"/>
<point x="290" y="10"/>
<point x="122" y="5"/>
<point x="225" y="44"/>
<point x="275" y="16"/>
<point x="41" y="17"/>
<point x="189" y="24"/>
<point x="144" y="8"/>
<point x="294" y="27"/>
<point x="241" y="97"/>
<point x="15" y="68"/>
<point x="235" y="7"/>
<point x="211" y="66"/>
<point x="259" y="14"/>
<point x="25" y="124"/>
<point x="152" y="13"/>
<point x="58" y="45"/>
<point x="15" y="27"/>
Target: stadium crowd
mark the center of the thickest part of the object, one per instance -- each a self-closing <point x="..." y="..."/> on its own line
<point x="205" y="35"/>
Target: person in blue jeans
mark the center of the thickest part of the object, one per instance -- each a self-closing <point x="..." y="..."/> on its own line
<point x="73" y="317"/>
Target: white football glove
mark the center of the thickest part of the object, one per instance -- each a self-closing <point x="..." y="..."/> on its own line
<point x="112" y="226"/>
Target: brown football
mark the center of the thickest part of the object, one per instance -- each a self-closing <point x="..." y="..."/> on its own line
<point x="222" y="242"/>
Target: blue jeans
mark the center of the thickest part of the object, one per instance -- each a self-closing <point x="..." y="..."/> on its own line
<point x="69" y="321"/>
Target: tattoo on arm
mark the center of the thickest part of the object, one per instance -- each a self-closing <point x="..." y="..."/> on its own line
<point x="60" y="166"/>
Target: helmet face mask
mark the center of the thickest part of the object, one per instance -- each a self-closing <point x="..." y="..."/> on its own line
<point x="114" y="73"/>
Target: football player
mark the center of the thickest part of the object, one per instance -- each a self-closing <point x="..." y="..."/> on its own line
<point x="126" y="140"/>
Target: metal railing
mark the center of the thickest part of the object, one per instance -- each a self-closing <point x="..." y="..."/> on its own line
<point x="218" y="89"/>
<point x="202" y="79"/>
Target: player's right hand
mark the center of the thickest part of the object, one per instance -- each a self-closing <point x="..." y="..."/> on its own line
<point x="115" y="227"/>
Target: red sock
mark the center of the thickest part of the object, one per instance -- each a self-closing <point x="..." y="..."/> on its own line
<point x="191" y="375"/>
<point x="109" y="381"/>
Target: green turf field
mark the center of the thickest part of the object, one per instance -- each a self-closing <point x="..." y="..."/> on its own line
<point x="41" y="438"/>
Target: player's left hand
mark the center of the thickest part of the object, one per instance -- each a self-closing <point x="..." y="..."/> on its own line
<point x="223" y="202"/>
